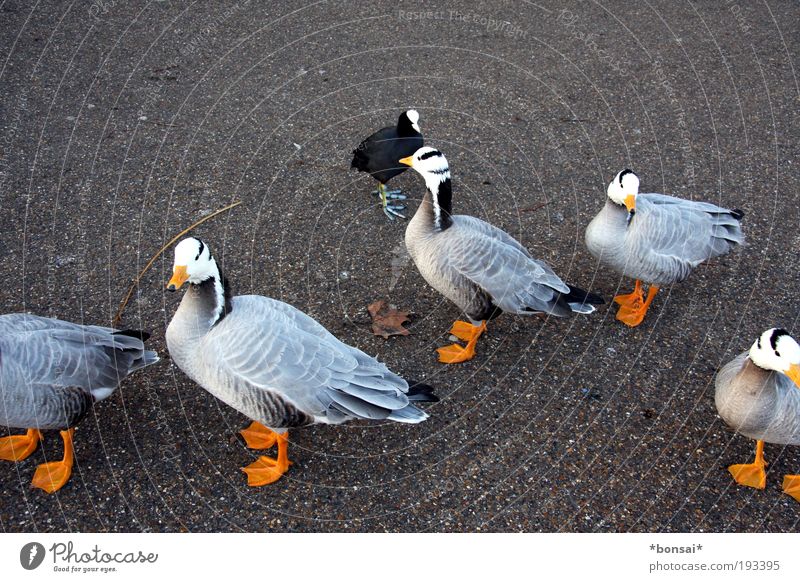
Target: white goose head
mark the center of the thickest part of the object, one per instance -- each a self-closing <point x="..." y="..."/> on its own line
<point x="431" y="164"/>
<point x="193" y="263"/>
<point x="624" y="189"/>
<point x="776" y="350"/>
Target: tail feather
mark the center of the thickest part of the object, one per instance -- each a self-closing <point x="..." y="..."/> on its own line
<point x="419" y="392"/>
<point x="138" y="334"/>
<point x="737" y="214"/>
<point x="581" y="301"/>
<point x="410" y="415"/>
<point x="359" y="160"/>
<point x="146" y="357"/>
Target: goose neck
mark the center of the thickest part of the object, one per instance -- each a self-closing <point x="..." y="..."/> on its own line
<point x="440" y="203"/>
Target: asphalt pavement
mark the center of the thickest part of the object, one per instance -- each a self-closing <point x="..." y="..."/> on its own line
<point x="125" y="122"/>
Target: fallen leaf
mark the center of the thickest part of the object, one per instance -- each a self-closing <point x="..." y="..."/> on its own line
<point x="386" y="320"/>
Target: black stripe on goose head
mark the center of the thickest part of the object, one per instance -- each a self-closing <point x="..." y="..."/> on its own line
<point x="430" y="154"/>
<point x="624" y="173"/>
<point x="773" y="339"/>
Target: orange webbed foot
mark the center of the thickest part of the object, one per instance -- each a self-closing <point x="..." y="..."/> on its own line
<point x="791" y="486"/>
<point x="750" y="475"/>
<point x="51" y="477"/>
<point x="633" y="307"/>
<point x="632" y="300"/>
<point x="631" y="317"/>
<point x="455" y="354"/>
<point x="266" y="470"/>
<point x="465" y="331"/>
<point x="21" y="446"/>
<point x="258" y="436"/>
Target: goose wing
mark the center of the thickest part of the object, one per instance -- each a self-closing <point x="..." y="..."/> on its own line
<point x="39" y="351"/>
<point x="501" y="266"/>
<point x="675" y="235"/>
<point x="272" y="346"/>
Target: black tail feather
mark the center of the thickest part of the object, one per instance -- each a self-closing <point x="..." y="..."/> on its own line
<point x="419" y="392"/>
<point x="578" y="295"/>
<point x="359" y="160"/>
<point x="737" y="214"/>
<point x="142" y="335"/>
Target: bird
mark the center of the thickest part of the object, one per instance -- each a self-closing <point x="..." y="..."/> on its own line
<point x="51" y="374"/>
<point x="758" y="395"/>
<point x="275" y="364"/>
<point x="656" y="239"/>
<point x="378" y="155"/>
<point x="477" y="266"/>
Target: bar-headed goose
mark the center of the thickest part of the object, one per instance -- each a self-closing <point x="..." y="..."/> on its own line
<point x="480" y="268"/>
<point x="758" y="395"/>
<point x="378" y="155"/>
<point x="656" y="239"/>
<point x="275" y="364"/>
<point x="51" y="374"/>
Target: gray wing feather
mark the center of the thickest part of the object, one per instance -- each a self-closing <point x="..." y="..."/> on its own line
<point x="59" y="353"/>
<point x="51" y="370"/>
<point x="499" y="265"/>
<point x="273" y="346"/>
<point x="672" y="236"/>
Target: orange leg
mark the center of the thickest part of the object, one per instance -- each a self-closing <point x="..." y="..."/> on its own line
<point x="791" y="486"/>
<point x="258" y="436"/>
<point x="53" y="476"/>
<point x="454" y="353"/>
<point x="632" y="311"/>
<point x="266" y="470"/>
<point x="18" y="447"/>
<point x="752" y="474"/>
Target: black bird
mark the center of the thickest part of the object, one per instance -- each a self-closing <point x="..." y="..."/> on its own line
<point x="378" y="155"/>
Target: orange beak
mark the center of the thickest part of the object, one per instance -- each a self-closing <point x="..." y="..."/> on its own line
<point x="630" y="203"/>
<point x="407" y="161"/>
<point x="179" y="277"/>
<point x="794" y="373"/>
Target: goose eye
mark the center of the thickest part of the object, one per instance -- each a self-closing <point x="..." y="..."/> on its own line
<point x="777" y="353"/>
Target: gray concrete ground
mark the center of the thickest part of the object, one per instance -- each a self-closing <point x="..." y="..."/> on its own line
<point x="123" y="123"/>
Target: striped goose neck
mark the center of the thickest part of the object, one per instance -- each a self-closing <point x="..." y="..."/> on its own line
<point x="441" y="194"/>
<point x="210" y="298"/>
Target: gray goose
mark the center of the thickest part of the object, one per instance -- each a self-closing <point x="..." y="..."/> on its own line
<point x="758" y="395"/>
<point x="378" y="155"/>
<point x="51" y="374"/>
<point x="656" y="239"/>
<point x="275" y="364"/>
<point x="477" y="266"/>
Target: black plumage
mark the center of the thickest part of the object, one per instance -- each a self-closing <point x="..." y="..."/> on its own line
<point x="379" y="153"/>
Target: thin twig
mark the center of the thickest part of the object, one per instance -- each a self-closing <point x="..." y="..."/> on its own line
<point x="534" y="208"/>
<point x="135" y="283"/>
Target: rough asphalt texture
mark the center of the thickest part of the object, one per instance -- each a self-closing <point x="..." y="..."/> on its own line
<point x="123" y="123"/>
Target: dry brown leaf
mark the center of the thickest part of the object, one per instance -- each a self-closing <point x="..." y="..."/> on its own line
<point x="386" y="320"/>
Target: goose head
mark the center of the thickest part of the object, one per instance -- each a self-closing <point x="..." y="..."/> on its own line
<point x="776" y="350"/>
<point x="624" y="189"/>
<point x="431" y="164"/>
<point x="193" y="263"/>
